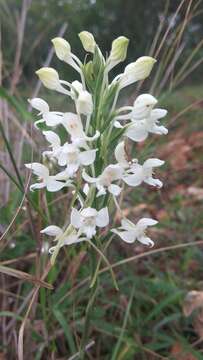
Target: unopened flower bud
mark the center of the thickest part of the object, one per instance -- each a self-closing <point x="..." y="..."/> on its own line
<point x="139" y="70"/>
<point x="49" y="77"/>
<point x="118" y="51"/>
<point x="87" y="40"/>
<point x="76" y="89"/>
<point x="84" y="103"/>
<point x="62" y="48"/>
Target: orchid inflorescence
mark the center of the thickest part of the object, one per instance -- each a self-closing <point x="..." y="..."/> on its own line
<point x="94" y="132"/>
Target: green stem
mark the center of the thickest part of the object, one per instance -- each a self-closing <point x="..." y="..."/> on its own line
<point x="99" y="263"/>
<point x="89" y="308"/>
<point x="108" y="264"/>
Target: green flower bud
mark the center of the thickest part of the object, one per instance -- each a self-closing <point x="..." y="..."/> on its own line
<point x="87" y="40"/>
<point x="119" y="49"/>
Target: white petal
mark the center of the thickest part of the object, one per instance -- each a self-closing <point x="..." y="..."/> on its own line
<point x="38" y="169"/>
<point x="137" y="131"/>
<point x="52" y="119"/>
<point x="145" y="240"/>
<point x="102" y="218"/>
<point x="153" y="182"/>
<point x="63" y="175"/>
<point x="89" y="231"/>
<point x="133" y="180"/>
<point x="89" y="212"/>
<point x="153" y="162"/>
<point x="144" y="222"/>
<point x="87" y="157"/>
<point x="37" y="186"/>
<point x="39" y="104"/>
<point x="114" y="189"/>
<point x="62" y="159"/>
<point x="155" y="129"/>
<point x="75" y="218"/>
<point x="72" y="169"/>
<point x="127" y="236"/>
<point x="73" y="125"/>
<point x="88" y="178"/>
<point x="52" y="230"/>
<point x="52" y="138"/>
<point x="73" y="239"/>
<point x="158" y="113"/>
<point x="121" y="155"/>
<point x="127" y="224"/>
<point x="53" y="185"/>
<point x="112" y="172"/>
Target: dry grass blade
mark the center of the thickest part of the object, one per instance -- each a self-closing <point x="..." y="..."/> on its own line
<point x="168" y="29"/>
<point x="21" y="332"/>
<point x="24" y="276"/>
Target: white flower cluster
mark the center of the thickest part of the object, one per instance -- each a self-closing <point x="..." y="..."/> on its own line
<point x="93" y="131"/>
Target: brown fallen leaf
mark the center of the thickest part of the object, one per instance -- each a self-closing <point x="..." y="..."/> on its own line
<point x="180" y="354"/>
<point x="177" y="151"/>
<point x="196" y="139"/>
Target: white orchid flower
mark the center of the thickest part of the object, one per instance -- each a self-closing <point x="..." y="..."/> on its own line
<point x="105" y="181"/>
<point x="68" y="155"/>
<point x="142" y="106"/>
<point x="129" y="232"/>
<point x="134" y="173"/>
<point x="55" y="144"/>
<point x="139" y="130"/>
<point x="51" y="118"/>
<point x="143" y="173"/>
<point x="58" y="233"/>
<point x="144" y="119"/>
<point x="140" y="110"/>
<point x="73" y="126"/>
<point x="88" y="219"/>
<point x="47" y="181"/>
<point x="72" y="157"/>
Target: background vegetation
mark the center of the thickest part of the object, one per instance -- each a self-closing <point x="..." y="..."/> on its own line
<point x="157" y="313"/>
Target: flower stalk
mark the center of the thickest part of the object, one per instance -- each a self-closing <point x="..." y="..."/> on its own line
<point x="92" y="162"/>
